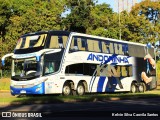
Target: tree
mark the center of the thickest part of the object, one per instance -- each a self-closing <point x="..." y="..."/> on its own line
<point x="134" y="28"/>
<point x="79" y="18"/>
<point x="102" y="21"/>
<point x="150" y="10"/>
<point x="23" y="16"/>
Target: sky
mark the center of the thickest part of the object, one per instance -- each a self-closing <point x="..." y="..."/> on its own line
<point x="113" y="3"/>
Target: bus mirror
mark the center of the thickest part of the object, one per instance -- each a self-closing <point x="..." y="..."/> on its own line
<point x="5" y="56"/>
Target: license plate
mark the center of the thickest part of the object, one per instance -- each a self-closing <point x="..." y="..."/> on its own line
<point x="23" y="92"/>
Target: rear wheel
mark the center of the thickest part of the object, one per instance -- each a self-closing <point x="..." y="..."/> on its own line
<point x="67" y="89"/>
<point x="142" y="87"/>
<point x="133" y="88"/>
<point x="80" y="89"/>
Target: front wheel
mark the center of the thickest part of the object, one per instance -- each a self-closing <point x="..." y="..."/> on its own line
<point x="66" y="89"/>
<point x="80" y="89"/>
<point x="133" y="88"/>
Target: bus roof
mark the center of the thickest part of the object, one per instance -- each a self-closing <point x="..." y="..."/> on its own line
<point x="82" y="34"/>
<point x="46" y="32"/>
<point x="104" y="38"/>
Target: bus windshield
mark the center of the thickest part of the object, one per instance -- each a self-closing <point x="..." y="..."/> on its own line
<point x="26" y="69"/>
<point x="31" y="41"/>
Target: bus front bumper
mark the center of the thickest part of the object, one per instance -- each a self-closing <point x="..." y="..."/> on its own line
<point x="37" y="89"/>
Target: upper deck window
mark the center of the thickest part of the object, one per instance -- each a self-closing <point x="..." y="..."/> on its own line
<point x="78" y="44"/>
<point x="58" y="41"/>
<point x="31" y="41"/>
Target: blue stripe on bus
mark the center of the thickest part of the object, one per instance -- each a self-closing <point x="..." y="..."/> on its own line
<point x="101" y="83"/>
<point x="93" y="78"/>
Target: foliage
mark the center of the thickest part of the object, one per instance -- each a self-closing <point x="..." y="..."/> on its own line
<point x="103" y="21"/>
<point x="151" y="11"/>
<point x="135" y="28"/>
<point x="18" y="17"/>
<point x="80" y="14"/>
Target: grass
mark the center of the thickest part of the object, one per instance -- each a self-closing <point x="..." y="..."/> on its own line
<point x="86" y="98"/>
<point x="4" y="83"/>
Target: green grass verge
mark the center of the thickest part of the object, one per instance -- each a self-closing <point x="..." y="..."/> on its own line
<point x="4" y="98"/>
<point x="5" y="84"/>
<point x="86" y="98"/>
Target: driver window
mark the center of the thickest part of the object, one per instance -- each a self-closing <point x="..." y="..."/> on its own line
<point x="48" y="67"/>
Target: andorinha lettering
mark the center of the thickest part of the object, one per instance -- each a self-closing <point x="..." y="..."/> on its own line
<point x="102" y="58"/>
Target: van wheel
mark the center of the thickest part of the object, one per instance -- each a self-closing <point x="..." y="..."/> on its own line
<point x="133" y="88"/>
<point x="80" y="89"/>
<point x="66" y="89"/>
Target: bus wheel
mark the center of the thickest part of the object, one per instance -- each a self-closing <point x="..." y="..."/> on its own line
<point x="66" y="89"/>
<point x="133" y="88"/>
<point x="80" y="89"/>
<point x="142" y="87"/>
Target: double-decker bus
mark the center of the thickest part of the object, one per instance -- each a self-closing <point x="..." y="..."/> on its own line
<point x="61" y="62"/>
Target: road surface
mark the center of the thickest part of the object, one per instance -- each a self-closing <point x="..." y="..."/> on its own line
<point x="149" y="107"/>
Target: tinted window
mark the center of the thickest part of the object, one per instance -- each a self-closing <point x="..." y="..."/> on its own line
<point x="81" y="69"/>
<point x="58" y="41"/>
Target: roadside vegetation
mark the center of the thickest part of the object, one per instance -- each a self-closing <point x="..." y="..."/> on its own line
<point x="45" y="99"/>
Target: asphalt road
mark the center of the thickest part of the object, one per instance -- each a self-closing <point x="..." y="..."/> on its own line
<point x="92" y="110"/>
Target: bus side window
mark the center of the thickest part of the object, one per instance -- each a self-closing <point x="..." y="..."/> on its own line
<point x="23" y="42"/>
<point x="130" y="71"/>
<point x="27" y="42"/>
<point x="76" y="69"/>
<point x="19" y="43"/>
<point x="116" y="48"/>
<point x="81" y="44"/>
<point x="90" y="45"/>
<point x="74" y="44"/>
<point x="60" y="42"/>
<point x="64" y="40"/>
<point x="105" y="47"/>
<point x="125" y="49"/>
<point x="54" y="42"/>
<point x="120" y="49"/>
<point x="40" y="41"/>
<point x="111" y="48"/>
<point x="100" y="45"/>
<point x="96" y="46"/>
<point x="124" y="71"/>
<point x="49" y="67"/>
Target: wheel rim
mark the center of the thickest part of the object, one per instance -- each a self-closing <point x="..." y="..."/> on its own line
<point x="141" y="88"/>
<point x="80" y="90"/>
<point x="133" y="89"/>
<point x="66" y="90"/>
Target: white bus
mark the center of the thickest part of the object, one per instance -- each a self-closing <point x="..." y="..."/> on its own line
<point x="61" y="62"/>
